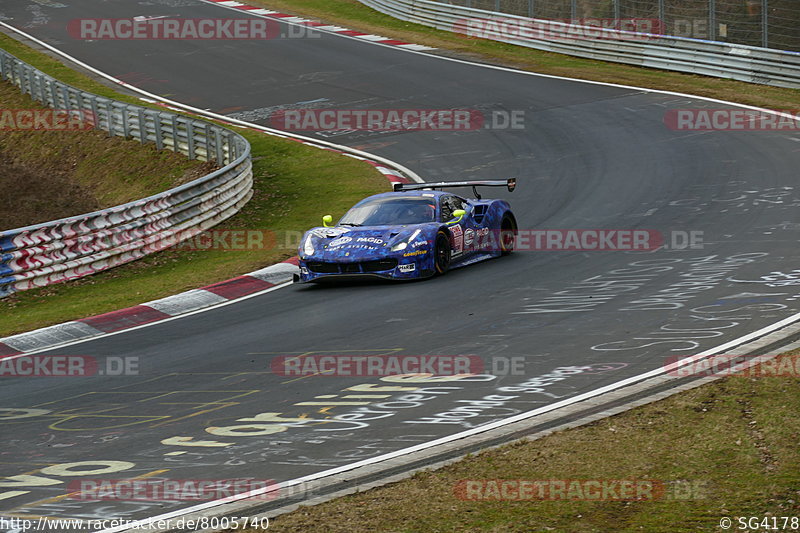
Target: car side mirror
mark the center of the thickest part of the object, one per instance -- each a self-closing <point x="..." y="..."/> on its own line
<point x="327" y="221"/>
<point x="458" y="214"/>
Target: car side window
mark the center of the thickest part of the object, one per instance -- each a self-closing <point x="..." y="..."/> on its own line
<point x="449" y="204"/>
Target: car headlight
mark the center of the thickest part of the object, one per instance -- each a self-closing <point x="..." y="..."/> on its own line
<point x="308" y="246"/>
<point x="404" y="244"/>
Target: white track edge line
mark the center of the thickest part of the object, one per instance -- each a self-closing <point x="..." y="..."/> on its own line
<point x="154" y="323"/>
<point x="450" y="438"/>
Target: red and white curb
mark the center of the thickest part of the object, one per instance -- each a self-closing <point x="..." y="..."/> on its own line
<point x="283" y="17"/>
<point x="149" y="312"/>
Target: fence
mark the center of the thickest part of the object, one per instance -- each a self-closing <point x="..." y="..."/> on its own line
<point x="710" y="58"/>
<point x="764" y="23"/>
<point x="73" y="247"/>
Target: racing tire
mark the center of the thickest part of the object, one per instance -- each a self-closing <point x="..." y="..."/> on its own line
<point x="442" y="252"/>
<point x="508" y="233"/>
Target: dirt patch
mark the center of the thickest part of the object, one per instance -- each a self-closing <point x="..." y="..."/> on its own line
<point x="47" y="175"/>
<point x="32" y="197"/>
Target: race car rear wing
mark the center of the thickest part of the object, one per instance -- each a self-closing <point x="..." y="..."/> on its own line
<point x="511" y="183"/>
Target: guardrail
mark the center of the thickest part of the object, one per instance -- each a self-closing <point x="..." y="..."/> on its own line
<point x="73" y="247"/>
<point x="709" y="58"/>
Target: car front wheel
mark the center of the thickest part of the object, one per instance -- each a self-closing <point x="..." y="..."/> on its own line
<point x="442" y="252"/>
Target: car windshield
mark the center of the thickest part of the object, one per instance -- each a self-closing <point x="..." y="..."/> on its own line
<point x="386" y="211"/>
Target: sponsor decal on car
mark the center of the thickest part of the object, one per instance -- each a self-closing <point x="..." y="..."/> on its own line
<point x="469" y="236"/>
<point x="411" y="267"/>
<point x="417" y="244"/>
<point x="457" y="234"/>
<point x="329" y="232"/>
<point x="415" y="252"/>
<point x="340" y="241"/>
<point x="373" y="240"/>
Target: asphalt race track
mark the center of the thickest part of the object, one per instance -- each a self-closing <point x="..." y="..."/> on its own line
<point x="589" y="156"/>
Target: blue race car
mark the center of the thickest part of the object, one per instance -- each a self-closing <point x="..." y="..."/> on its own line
<point x="416" y="231"/>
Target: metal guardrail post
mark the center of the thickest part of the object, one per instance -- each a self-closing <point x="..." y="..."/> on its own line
<point x="42" y="94"/>
<point x="712" y="20"/>
<point x="126" y="130"/>
<point x="190" y="139"/>
<point x="616" y="14"/>
<point x="27" y="78"/>
<point x="53" y="95"/>
<point x="110" y="119"/>
<point x="765" y="23"/>
<point x="218" y="146"/>
<point x="175" y="147"/>
<point x="142" y="127"/>
<point x="573" y="9"/>
<point x="157" y="130"/>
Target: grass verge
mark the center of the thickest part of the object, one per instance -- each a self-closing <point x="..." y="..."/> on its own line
<point x="725" y="449"/>
<point x="294" y="185"/>
<point x="56" y="174"/>
<point x="352" y="14"/>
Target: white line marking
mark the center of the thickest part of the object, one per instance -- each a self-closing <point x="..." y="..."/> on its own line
<point x="468" y="433"/>
<point x="332" y="29"/>
<point x="372" y="37"/>
<point x="414" y="47"/>
<point x="169" y="319"/>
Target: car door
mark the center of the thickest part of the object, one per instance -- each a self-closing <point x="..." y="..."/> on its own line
<point x="462" y="233"/>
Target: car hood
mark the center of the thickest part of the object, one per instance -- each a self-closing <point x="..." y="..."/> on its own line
<point x="368" y="241"/>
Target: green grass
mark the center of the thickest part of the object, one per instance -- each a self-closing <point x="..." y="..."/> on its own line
<point x="733" y="445"/>
<point x="294" y="185"/>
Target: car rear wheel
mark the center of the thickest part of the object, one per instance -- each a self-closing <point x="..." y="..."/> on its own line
<point x="508" y="233"/>
<point x="442" y="252"/>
